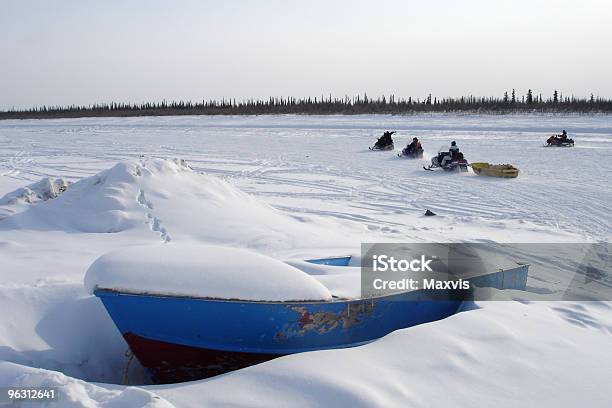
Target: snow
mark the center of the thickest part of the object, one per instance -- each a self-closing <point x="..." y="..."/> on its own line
<point x="504" y="354"/>
<point x="77" y="393"/>
<point x="209" y="271"/>
<point x="290" y="188"/>
<point x="176" y="202"/>
<point x="343" y="282"/>
<point x="46" y="189"/>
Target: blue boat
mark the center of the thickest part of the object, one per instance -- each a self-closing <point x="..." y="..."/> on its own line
<point x="181" y="338"/>
<point x="332" y="261"/>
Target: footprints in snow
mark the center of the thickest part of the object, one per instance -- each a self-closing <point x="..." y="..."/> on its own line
<point x="154" y="223"/>
<point x="142" y="200"/>
<point x="385" y="229"/>
<point x="15" y="163"/>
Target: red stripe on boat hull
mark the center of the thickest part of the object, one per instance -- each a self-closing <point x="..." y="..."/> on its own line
<point x="171" y="363"/>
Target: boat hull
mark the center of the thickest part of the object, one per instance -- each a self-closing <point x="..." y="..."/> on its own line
<point x="184" y="338"/>
<point x="170" y="362"/>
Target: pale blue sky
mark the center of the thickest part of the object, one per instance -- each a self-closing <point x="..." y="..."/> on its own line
<point x="64" y="52"/>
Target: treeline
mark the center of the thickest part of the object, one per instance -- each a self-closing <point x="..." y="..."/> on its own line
<point x="510" y="102"/>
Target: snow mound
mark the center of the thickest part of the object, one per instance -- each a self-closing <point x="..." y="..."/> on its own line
<point x="59" y="327"/>
<point x="171" y="200"/>
<point x="105" y="202"/>
<point x="202" y="271"/>
<point x="76" y="393"/>
<point x="47" y="188"/>
<point x="498" y="354"/>
<point x="114" y="200"/>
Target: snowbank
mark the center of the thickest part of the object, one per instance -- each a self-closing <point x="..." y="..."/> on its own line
<point x="202" y="271"/>
<point x="501" y="354"/>
<point x="59" y="327"/>
<point x="168" y="198"/>
<point x="18" y="200"/>
<point x="73" y="393"/>
<point x="47" y="188"/>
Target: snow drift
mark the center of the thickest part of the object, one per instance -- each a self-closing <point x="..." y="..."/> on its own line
<point x="77" y="393"/>
<point x="502" y="354"/>
<point x="202" y="271"/>
<point x="174" y="202"/>
<point x="47" y="188"/>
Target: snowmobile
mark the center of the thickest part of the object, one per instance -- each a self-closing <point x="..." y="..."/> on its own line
<point x="385" y="142"/>
<point x="558" y="141"/>
<point x="382" y="147"/>
<point x="456" y="163"/>
<point x="415" y="154"/>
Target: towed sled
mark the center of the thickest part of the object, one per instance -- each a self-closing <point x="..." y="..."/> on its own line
<point x="495" y="170"/>
<point x="556" y="141"/>
<point x="415" y="154"/>
<point x="458" y="163"/>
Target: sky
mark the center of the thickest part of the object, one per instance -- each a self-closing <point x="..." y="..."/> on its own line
<point x="81" y="52"/>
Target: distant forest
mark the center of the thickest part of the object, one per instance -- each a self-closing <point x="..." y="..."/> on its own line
<point x="510" y="102"/>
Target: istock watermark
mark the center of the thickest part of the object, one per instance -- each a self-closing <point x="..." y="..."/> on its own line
<point x="478" y="271"/>
<point x="384" y="263"/>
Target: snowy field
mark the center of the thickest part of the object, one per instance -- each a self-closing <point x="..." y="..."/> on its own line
<point x="297" y="187"/>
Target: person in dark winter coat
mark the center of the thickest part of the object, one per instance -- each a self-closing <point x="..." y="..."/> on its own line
<point x="414" y="146"/>
<point x="454" y="149"/>
<point x="385" y="139"/>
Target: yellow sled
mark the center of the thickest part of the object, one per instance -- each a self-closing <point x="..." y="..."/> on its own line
<point x="495" y="170"/>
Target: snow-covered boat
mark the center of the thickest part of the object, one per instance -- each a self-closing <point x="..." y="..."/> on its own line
<point x="184" y="338"/>
<point x="179" y="335"/>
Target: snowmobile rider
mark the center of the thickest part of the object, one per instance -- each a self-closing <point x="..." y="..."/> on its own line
<point x="452" y="154"/>
<point x="385" y="139"/>
<point x="563" y="136"/>
<point x="414" y="146"/>
<point x="453" y="149"/>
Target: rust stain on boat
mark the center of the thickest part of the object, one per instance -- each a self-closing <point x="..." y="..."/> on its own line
<point x="323" y="322"/>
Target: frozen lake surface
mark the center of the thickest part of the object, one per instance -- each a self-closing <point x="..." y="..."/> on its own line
<point x="322" y="165"/>
<point x="328" y="193"/>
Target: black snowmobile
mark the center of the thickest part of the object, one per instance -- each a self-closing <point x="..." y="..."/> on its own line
<point x="448" y="161"/>
<point x="412" y="152"/>
<point x="559" y="141"/>
<point x="385" y="142"/>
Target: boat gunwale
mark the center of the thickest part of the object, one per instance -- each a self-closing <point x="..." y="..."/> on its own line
<point x="321" y="261"/>
<point x="334" y="300"/>
<point x="117" y="292"/>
